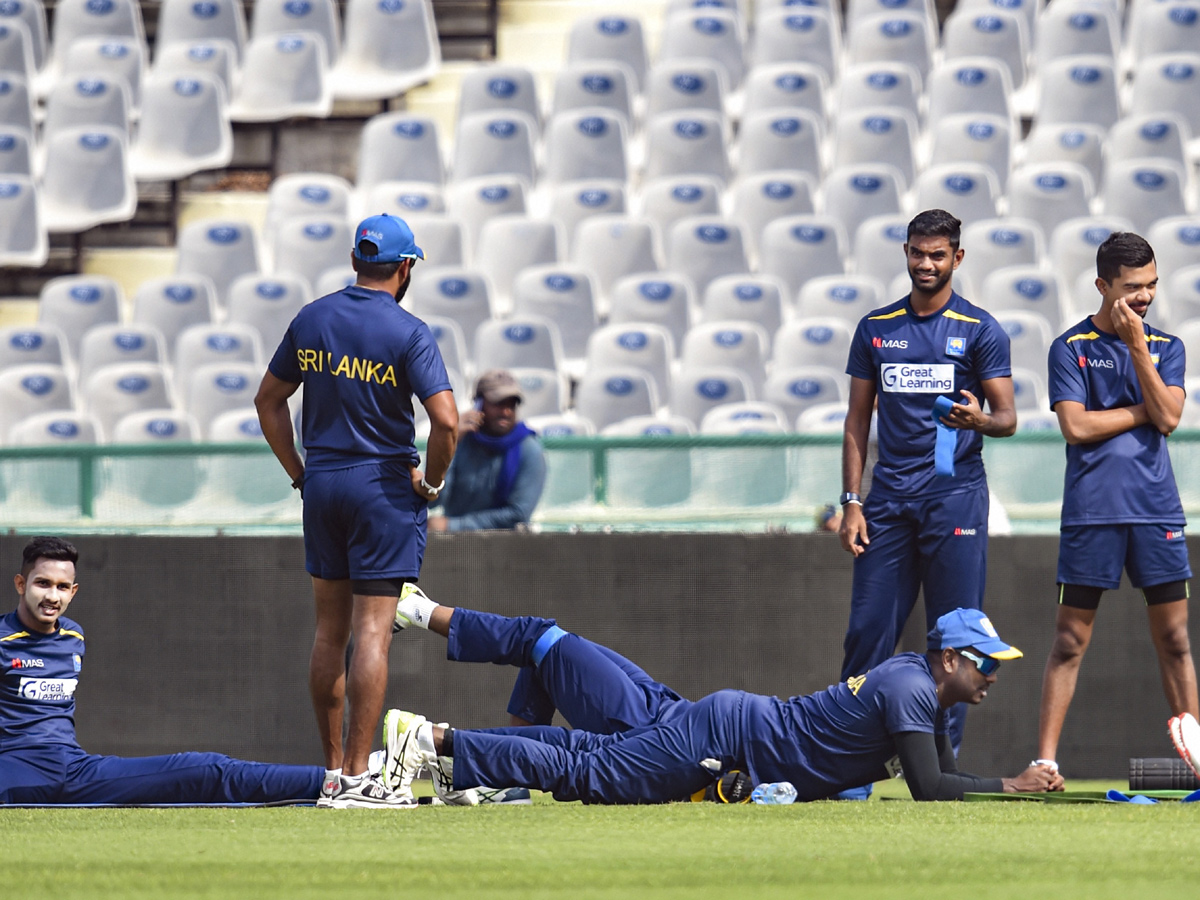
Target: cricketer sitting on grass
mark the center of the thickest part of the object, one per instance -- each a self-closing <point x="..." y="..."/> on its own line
<point x="667" y="748"/>
<point x="41" y="659"/>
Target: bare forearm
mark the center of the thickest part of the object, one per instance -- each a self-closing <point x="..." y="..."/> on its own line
<point x="1162" y="406"/>
<point x="439" y="452"/>
<point x="854" y="453"/>
<point x="276" y="422"/>
<point x="1001" y="423"/>
<point x="1091" y="426"/>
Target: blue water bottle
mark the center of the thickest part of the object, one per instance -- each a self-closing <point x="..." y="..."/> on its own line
<point x="777" y="793"/>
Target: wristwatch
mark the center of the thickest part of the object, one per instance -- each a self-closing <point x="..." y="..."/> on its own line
<point x="849" y="497"/>
<point x="430" y="489"/>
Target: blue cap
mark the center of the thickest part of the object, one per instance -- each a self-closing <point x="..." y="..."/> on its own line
<point x="391" y="235"/>
<point x="970" y="628"/>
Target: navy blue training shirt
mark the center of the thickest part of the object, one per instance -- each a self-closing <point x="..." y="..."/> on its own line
<point x="912" y="360"/>
<point x="38" y="676"/>
<point x="361" y="358"/>
<point x="1127" y="478"/>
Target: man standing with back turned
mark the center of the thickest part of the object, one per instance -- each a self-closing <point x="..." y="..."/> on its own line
<point x="361" y="358"/>
<point x="929" y="359"/>
<point x="1116" y="385"/>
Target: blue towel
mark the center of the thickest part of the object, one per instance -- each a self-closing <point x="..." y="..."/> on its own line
<point x="947" y="439"/>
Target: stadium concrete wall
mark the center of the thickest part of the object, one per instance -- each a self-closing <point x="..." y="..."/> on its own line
<point x="202" y="643"/>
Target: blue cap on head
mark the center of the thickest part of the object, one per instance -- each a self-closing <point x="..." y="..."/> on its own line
<point x="391" y="236"/>
<point x="970" y="628"/>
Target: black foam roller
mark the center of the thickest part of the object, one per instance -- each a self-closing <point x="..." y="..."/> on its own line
<point x="1165" y="774"/>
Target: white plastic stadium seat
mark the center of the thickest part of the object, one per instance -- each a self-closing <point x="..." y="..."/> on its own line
<point x="267" y="303"/>
<point x="798" y="34"/>
<point x="747" y="417"/>
<point x="975" y="85"/>
<point x="996" y="243"/>
<point x="1074" y="242"/>
<point x="87" y="100"/>
<point x="249" y="480"/>
<point x="283" y="76"/>
<point x="87" y="181"/>
<point x="754" y="299"/>
<point x="477" y="201"/>
<point x="309" y="246"/>
<point x="879" y="248"/>
<point x="75" y="19"/>
<point x="16" y="102"/>
<point x="595" y="85"/>
<point x="498" y="88"/>
<point x="508" y="244"/>
<point x="388" y="47"/>
<point x="564" y="294"/>
<point x="613" y="246"/>
<point x="26" y="390"/>
<point x="643" y="346"/>
<point x="22" y="345"/>
<point x="704" y="248"/>
<point x="544" y="391"/>
<point x="113" y="342"/>
<point x="696" y="390"/>
<point x="822" y="418"/>
<point x="798" y="248"/>
<point x="691" y="142"/>
<point x="798" y="389"/>
<point x="994" y="33"/>
<point x="1169" y="84"/>
<point x="1150" y="136"/>
<point x="320" y="17"/>
<point x="222" y="250"/>
<point x="1079" y="89"/>
<point x="305" y="194"/>
<point x="452" y="293"/>
<point x="872" y="85"/>
<point x="1029" y="337"/>
<point x="895" y="36"/>
<point x="608" y="395"/>
<point x="667" y="200"/>
<point x="1176" y="242"/>
<point x="23" y="238"/>
<point x="113" y="57"/>
<point x="573" y="202"/>
<point x="184" y="128"/>
<point x="858" y="192"/>
<point x="786" y="85"/>
<point x="75" y="303"/>
<point x="735" y="345"/>
<point x="519" y="342"/>
<point x="451" y="342"/>
<point x="31" y="14"/>
<point x="813" y="341"/>
<point x="664" y="299"/>
<point x="174" y="303"/>
<point x="685" y="84"/>
<point x="399" y="147"/>
<point x="780" y="140"/>
<point x="494" y="143"/>
<point x="116" y="390"/>
<point x="202" y="344"/>
<point x="215" y="388"/>
<point x="967" y="190"/>
<point x="196" y="20"/>
<point x="707" y="34"/>
<point x="845" y="297"/>
<point x="1144" y="191"/>
<point x="760" y="199"/>
<point x="163" y="481"/>
<point x="1069" y="30"/>
<point x="1025" y="288"/>
<point x="610" y="38"/>
<point x="875" y="136"/>
<point x="1074" y="142"/>
<point x="407" y="199"/>
<point x="216" y="58"/>
<point x="1050" y="193"/>
<point x="977" y="139"/>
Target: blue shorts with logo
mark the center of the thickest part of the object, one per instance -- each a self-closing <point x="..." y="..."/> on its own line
<point x="363" y="522"/>
<point x="1094" y="555"/>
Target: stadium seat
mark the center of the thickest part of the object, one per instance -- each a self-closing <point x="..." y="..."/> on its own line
<point x="696" y="390"/>
<point x="564" y="294"/>
<point x="544" y="391"/>
<point x="992" y="244"/>
<point x="754" y="299"/>
<point x="81" y="100"/>
<point x="1071" y="30"/>
<point x="219" y="249"/>
<point x="893" y="85"/>
<point x="113" y="391"/>
<point x="762" y="198"/>
<point x="159" y="481"/>
<point x="272" y="18"/>
<point x="735" y="345"/>
<point x="51" y="483"/>
<point x="200" y="345"/>
<point x="876" y="136"/>
<point x="215" y="58"/>
<point x="407" y="199"/>
<point x="595" y="85"/>
<point x="22" y="345"/>
<point x="643" y="346"/>
<point x="87" y="180"/>
<point x="861" y="9"/>
<point x="308" y="246"/>
<point x="612" y="246"/>
<point x="1079" y="89"/>
<point x="16" y="146"/>
<point x="1026" y="10"/>
<point x="785" y="85"/>
<point x="26" y="390"/>
<point x="1144" y="191"/>
<point x="609" y="395"/>
<point x="813" y="341"/>
<point x="606" y="37"/>
<point x="1169" y="84"/>
<point x="1183" y="292"/>
<point x="685" y="84"/>
<point x="75" y="303"/>
<point x="822" y="418"/>
<point x="562" y="425"/>
<point x="797" y="248"/>
<point x="1029" y="336"/>
<point x="780" y="140"/>
<point x="790" y="35"/>
<point x="174" y="303"/>
<point x="184" y="128"/>
<point x="206" y="20"/>
<point x="892" y="37"/>
<point x="529" y="342"/>
<point x="283" y="77"/>
<point x="1176" y="243"/>
<point x="707" y="34"/>
<point x="388" y="47"/>
<point x="585" y="144"/>
<point x="75" y="19"/>
<point x="1050" y="193"/>
<point x="399" y="147"/>
<point x="452" y="293"/>
<point x="1078" y="143"/>
<point x="267" y="303"/>
<point x="305" y="194"/>
<point x="508" y="244"/>
<point x="977" y="86"/>
<point x="31" y="14"/>
<point x="1026" y="288"/>
<point x="16" y="102"/>
<point x="967" y="190"/>
<point x="1029" y="390"/>
<point x="667" y="200"/>
<point x="799" y="388"/>
<point x="1161" y="136"/>
<point x="703" y="248"/>
<point x="23" y="238"/>
<point x="241" y="479"/>
<point x="219" y="387"/>
<point x="333" y="280"/>
<point x="747" y="417"/>
<point x="109" y="343"/>
<point x="494" y="143"/>
<point x="1161" y="29"/>
<point x="477" y="201"/>
<point x="451" y="342"/>
<point x="1074" y="242"/>
<point x="857" y="192"/>
<point x="994" y="33"/>
<point x="112" y="57"/>
<point x="686" y="143"/>
<point x="664" y="299"/>
<point x="845" y="297"/>
<point x="977" y="139"/>
<point x="879" y="248"/>
<point x="573" y="202"/>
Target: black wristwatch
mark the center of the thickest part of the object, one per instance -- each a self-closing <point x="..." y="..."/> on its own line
<point x="849" y="497"/>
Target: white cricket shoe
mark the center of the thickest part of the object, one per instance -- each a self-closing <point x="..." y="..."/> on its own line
<point x="441" y="770"/>
<point x="1185" y="735"/>
<point x="363" y="792"/>
<point x="402" y="745"/>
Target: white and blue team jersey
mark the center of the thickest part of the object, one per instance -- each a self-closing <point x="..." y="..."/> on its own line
<point x="913" y="360"/>
<point x="38" y="676"/>
<point x="845" y="734"/>
<point x="361" y="359"/>
<point x="1127" y="478"/>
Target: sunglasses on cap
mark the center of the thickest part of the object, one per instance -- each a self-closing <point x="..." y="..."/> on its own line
<point x="985" y="664"/>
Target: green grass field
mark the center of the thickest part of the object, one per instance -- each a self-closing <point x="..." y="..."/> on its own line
<point x="830" y="850"/>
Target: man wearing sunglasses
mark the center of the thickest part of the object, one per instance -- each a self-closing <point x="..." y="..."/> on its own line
<point x="637" y="741"/>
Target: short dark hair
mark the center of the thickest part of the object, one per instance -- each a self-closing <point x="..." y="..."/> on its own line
<point x="46" y="547"/>
<point x="1122" y="248"/>
<point x="373" y="271"/>
<point x="935" y="223"/>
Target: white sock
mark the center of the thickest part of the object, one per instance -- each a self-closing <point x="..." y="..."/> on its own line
<point x="332" y="773"/>
<point x="425" y="739"/>
<point x="417" y="609"/>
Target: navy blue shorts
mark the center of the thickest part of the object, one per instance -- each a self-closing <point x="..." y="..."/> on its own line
<point x="1094" y="555"/>
<point x="364" y="522"/>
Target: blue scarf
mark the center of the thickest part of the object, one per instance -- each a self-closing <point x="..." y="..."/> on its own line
<point x="510" y="446"/>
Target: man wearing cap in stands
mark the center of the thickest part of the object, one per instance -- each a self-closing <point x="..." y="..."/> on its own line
<point x="499" y="471"/>
<point x="361" y="359"/>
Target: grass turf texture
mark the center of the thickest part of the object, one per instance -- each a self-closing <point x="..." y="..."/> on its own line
<point x="827" y="850"/>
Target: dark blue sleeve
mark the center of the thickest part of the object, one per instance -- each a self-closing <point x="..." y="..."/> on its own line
<point x="860" y="364"/>
<point x="423" y="365"/>
<point x="1066" y="375"/>
<point x="993" y="358"/>
<point x="284" y="364"/>
<point x="1172" y="360"/>
<point x="909" y="701"/>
